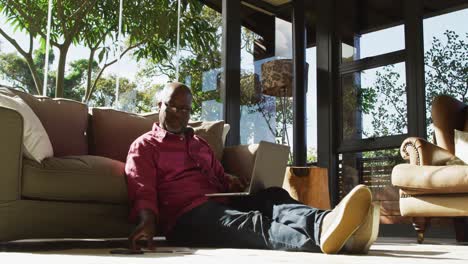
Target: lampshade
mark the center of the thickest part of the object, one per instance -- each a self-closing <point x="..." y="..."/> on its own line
<point x="277" y="77"/>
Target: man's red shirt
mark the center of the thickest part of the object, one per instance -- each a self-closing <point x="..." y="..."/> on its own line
<point x="170" y="174"/>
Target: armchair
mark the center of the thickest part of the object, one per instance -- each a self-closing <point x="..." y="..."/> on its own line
<point x="428" y="186"/>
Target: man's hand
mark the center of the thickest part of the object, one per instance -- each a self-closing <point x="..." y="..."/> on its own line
<point x="236" y="184"/>
<point x="146" y="229"/>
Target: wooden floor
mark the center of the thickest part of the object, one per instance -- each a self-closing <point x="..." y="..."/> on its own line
<point x="385" y="250"/>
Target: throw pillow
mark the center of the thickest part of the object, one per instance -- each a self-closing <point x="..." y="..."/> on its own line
<point x="461" y="145"/>
<point x="64" y="120"/>
<point x="36" y="142"/>
<point x="212" y="132"/>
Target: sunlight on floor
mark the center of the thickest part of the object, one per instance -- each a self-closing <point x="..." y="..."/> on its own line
<point x="385" y="250"/>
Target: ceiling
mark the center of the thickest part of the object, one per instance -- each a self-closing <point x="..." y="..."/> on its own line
<point x="365" y="15"/>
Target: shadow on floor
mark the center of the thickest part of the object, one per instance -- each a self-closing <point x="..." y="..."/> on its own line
<point x="42" y="246"/>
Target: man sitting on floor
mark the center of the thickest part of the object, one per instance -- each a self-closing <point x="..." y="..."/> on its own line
<point x="169" y="171"/>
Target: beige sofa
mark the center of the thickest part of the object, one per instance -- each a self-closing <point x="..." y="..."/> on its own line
<point x="433" y="184"/>
<point x="81" y="191"/>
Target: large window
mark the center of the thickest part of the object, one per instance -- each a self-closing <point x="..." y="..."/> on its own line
<point x="373" y="43"/>
<point x="91" y="55"/>
<point x="202" y="71"/>
<point x="257" y="109"/>
<point x="445" y="58"/>
<point x="374" y="102"/>
<point x="265" y="116"/>
<point x="372" y="88"/>
<point x="371" y="98"/>
<point x="380" y="84"/>
<point x="270" y="117"/>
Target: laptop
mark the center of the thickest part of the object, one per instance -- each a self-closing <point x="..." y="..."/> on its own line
<point x="269" y="168"/>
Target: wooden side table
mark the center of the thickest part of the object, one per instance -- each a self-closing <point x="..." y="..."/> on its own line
<point x="308" y="185"/>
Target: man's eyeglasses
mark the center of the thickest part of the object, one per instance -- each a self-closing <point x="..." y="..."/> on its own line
<point x="175" y="109"/>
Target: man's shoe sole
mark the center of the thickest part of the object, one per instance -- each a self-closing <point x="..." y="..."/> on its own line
<point x="361" y="241"/>
<point x="349" y="218"/>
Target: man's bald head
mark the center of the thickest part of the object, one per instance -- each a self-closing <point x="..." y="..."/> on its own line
<point x="175" y="104"/>
<point x="172" y="88"/>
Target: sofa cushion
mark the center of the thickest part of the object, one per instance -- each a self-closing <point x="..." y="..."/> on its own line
<point x="75" y="178"/>
<point x="36" y="142"/>
<point x="114" y="131"/>
<point x="66" y="122"/>
<point x="427" y="179"/>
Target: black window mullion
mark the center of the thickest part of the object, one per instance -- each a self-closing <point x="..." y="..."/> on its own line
<point x="299" y="85"/>
<point x="414" y="43"/>
<point x="327" y="76"/>
<point x="373" y="62"/>
<point x="368" y="144"/>
<point x="230" y="91"/>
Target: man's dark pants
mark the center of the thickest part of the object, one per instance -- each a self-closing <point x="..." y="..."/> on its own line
<point x="269" y="219"/>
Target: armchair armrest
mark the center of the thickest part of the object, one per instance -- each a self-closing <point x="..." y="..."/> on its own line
<point x="239" y="160"/>
<point x="11" y="144"/>
<point x="428" y="179"/>
<point x="421" y="152"/>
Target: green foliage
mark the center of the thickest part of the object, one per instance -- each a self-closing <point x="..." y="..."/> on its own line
<point x="39" y="58"/>
<point x="447" y="67"/>
<point x="105" y="91"/>
<point x="382" y="153"/>
<point x="145" y="100"/>
<point x="392" y="103"/>
<point x="311" y="155"/>
<point x="15" y="71"/>
<point x="368" y="98"/>
<point x="149" y="29"/>
<point x="201" y="53"/>
<point x="446" y="72"/>
<point x="75" y="79"/>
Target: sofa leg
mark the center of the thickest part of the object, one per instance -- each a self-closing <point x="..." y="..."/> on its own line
<point x="461" y="228"/>
<point x="420" y="224"/>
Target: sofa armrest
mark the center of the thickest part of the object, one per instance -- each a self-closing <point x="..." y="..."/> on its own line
<point x="421" y="152"/>
<point x="11" y="143"/>
<point x="239" y="160"/>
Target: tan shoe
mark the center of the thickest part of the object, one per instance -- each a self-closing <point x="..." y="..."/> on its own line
<point x="366" y="234"/>
<point x="341" y="222"/>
